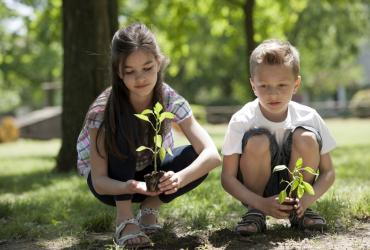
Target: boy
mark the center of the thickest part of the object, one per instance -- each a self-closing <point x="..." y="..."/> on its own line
<point x="274" y="130"/>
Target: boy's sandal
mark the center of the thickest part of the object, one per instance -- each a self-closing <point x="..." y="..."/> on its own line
<point x="300" y="223"/>
<point x="252" y="217"/>
<point x="121" y="240"/>
<point x="149" y="228"/>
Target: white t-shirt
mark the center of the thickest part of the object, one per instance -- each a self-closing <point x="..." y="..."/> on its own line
<point x="250" y="116"/>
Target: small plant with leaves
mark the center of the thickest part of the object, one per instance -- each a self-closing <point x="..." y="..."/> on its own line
<point x="297" y="185"/>
<point x="152" y="179"/>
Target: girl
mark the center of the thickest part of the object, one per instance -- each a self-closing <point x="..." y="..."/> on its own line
<point x="111" y="133"/>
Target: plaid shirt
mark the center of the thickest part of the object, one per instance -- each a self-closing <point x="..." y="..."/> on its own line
<point x="173" y="103"/>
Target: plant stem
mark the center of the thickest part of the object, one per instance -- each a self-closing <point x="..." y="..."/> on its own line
<point x="156" y="149"/>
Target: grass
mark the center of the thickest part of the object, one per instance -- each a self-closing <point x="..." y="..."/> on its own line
<point x="37" y="203"/>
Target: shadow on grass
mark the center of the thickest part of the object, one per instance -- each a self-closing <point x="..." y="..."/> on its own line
<point x="168" y="238"/>
<point x="93" y="241"/>
<point x="165" y="239"/>
<point x="277" y="236"/>
<point x="25" y="182"/>
<point x="223" y="238"/>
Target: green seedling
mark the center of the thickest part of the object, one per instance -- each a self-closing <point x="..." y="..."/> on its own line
<point x="158" y="150"/>
<point x="297" y="183"/>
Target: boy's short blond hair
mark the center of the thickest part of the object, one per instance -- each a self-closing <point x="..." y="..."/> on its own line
<point x="275" y="52"/>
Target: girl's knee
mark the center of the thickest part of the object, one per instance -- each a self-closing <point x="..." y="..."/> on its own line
<point x="181" y="157"/>
<point x="187" y="153"/>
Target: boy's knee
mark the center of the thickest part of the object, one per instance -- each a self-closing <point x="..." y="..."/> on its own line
<point x="257" y="144"/>
<point x="304" y="139"/>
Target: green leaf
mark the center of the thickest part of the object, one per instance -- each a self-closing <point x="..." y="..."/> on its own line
<point x="279" y="168"/>
<point x="294" y="184"/>
<point x="162" y="154"/>
<point x="142" y="117"/>
<point x="310" y="170"/>
<point x="282" y="196"/>
<point x="299" y="163"/>
<point x="158" y="108"/>
<point x="166" y="115"/>
<point x="147" y="111"/>
<point x="158" y="140"/>
<point x="169" y="151"/>
<point x="300" y="191"/>
<point x="308" y="188"/>
<point x="141" y="148"/>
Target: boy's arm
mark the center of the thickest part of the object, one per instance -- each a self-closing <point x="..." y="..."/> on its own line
<point x="233" y="186"/>
<point x="321" y="185"/>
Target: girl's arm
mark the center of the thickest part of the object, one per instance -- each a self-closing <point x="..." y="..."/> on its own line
<point x="104" y="185"/>
<point x="202" y="143"/>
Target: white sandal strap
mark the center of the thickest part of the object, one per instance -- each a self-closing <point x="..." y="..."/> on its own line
<point x="123" y="224"/>
<point x="122" y="241"/>
<point x="148" y="210"/>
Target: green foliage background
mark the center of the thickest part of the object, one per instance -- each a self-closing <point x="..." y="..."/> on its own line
<point x="205" y="41"/>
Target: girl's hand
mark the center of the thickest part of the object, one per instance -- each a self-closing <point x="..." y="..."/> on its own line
<point x="138" y="187"/>
<point x="273" y="208"/>
<point x="170" y="182"/>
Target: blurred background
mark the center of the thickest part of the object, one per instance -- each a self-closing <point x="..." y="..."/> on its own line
<point x="55" y="56"/>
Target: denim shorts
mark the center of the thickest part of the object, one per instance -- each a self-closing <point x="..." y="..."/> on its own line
<point x="280" y="155"/>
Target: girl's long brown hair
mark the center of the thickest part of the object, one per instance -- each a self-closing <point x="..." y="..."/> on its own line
<point x="120" y="126"/>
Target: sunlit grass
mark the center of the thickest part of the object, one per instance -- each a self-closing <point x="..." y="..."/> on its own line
<point x="350" y="131"/>
<point x="345" y="131"/>
<point x="36" y="202"/>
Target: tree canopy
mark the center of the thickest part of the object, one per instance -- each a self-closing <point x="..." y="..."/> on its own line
<point x="205" y="40"/>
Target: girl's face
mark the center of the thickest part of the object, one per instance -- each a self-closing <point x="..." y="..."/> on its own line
<point x="274" y="85"/>
<point x="139" y="74"/>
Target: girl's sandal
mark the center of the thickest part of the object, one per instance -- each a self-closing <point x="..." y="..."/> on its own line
<point x="149" y="228"/>
<point x="300" y="223"/>
<point x="121" y="240"/>
<point x="252" y="217"/>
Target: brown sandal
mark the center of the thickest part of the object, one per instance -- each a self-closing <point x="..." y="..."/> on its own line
<point x="299" y="223"/>
<point x="252" y="217"/>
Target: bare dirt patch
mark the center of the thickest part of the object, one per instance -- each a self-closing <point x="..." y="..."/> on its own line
<point x="277" y="237"/>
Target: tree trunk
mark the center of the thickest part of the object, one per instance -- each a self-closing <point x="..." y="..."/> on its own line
<point x="113" y="17"/>
<point x="87" y="32"/>
<point x="248" y="9"/>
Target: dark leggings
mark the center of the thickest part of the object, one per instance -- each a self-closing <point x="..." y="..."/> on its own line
<point x="182" y="157"/>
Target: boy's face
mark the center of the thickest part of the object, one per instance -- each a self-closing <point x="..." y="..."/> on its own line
<point x="274" y="85"/>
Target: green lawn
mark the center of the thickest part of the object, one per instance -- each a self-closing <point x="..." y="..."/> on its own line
<point x="37" y="203"/>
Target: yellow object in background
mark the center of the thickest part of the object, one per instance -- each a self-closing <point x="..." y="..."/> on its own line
<point x="8" y="130"/>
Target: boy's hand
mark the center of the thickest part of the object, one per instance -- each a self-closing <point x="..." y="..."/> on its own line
<point x="273" y="208"/>
<point x="301" y="207"/>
